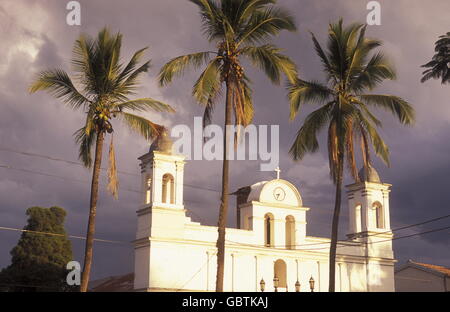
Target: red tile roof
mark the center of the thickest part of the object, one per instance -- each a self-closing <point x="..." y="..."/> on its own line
<point x="438" y="268"/>
<point x="114" y="283"/>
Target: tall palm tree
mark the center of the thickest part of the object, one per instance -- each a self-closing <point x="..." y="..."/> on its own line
<point x="439" y="66"/>
<point x="351" y="70"/>
<point x="106" y="85"/>
<point x="241" y="29"/>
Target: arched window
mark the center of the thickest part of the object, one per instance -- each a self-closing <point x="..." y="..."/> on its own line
<point x="379" y="216"/>
<point x="268" y="230"/>
<point x="358" y="219"/>
<point x="168" y="189"/>
<point x="290" y="232"/>
<point x="148" y="188"/>
<point x="280" y="272"/>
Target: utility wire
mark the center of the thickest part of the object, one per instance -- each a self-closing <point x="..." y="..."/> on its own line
<point x="135" y="191"/>
<point x="236" y="243"/>
<point x="365" y="235"/>
<point x="344" y="245"/>
<point x="67" y="179"/>
<point x="209" y="258"/>
<point x="81" y="165"/>
<point x="195" y="274"/>
<point x="56" y="159"/>
<point x="62" y="235"/>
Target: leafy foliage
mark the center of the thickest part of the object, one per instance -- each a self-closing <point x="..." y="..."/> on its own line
<point x="106" y="85"/>
<point x="439" y="66"/>
<point x="38" y="260"/>
<point x="236" y="26"/>
<point x="240" y="29"/>
<point x="352" y="68"/>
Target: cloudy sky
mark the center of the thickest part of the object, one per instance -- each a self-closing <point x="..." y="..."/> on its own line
<point x="35" y="36"/>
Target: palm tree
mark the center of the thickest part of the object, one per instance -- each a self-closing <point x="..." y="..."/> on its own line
<point x="241" y="29"/>
<point x="106" y="85"/>
<point x="351" y="70"/>
<point x="439" y="66"/>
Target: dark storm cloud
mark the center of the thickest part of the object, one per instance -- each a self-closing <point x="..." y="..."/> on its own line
<point x="34" y="37"/>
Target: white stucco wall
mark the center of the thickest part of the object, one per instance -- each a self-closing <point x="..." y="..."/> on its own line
<point x="175" y="254"/>
<point x="411" y="279"/>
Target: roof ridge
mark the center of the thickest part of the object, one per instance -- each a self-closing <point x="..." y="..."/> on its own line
<point x="439" y="268"/>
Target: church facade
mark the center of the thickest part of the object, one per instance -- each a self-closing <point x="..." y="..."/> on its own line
<point x="173" y="253"/>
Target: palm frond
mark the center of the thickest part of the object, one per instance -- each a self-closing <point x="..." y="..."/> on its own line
<point x="208" y="85"/>
<point x="58" y="83"/>
<point x="211" y="18"/>
<point x="367" y="113"/>
<point x="306" y="139"/>
<point x="322" y="55"/>
<point x="374" y="72"/>
<point x="132" y="64"/>
<point x="265" y="23"/>
<point x="380" y="147"/>
<point x="178" y="65"/>
<point x="243" y="103"/>
<point x="83" y="52"/>
<point x="303" y="92"/>
<point x="113" y="181"/>
<point x="130" y="84"/>
<point x="334" y="142"/>
<point x="85" y="140"/>
<point x="141" y="126"/>
<point x="272" y="62"/>
<point x="350" y="148"/>
<point x="398" y="106"/>
<point x="247" y="8"/>
<point x="145" y="104"/>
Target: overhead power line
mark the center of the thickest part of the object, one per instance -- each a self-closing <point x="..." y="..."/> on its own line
<point x="374" y="234"/>
<point x="193" y="186"/>
<point x="345" y="245"/>
<point x="71" y="162"/>
<point x="62" y="235"/>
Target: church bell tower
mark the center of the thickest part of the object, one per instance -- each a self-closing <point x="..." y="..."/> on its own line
<point x="161" y="214"/>
<point x="368" y="203"/>
<point x="369" y="224"/>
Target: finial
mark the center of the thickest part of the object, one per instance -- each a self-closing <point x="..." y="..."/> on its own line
<point x="277" y="169"/>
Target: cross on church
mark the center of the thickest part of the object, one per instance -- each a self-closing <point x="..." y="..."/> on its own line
<point x="277" y="169"/>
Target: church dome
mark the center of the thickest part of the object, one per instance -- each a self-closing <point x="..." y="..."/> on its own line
<point x="373" y="175"/>
<point x="277" y="191"/>
<point x="162" y="144"/>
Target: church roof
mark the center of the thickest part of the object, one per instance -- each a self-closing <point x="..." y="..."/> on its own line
<point x="255" y="191"/>
<point x="162" y="144"/>
<point x="372" y="175"/>
<point x="263" y="192"/>
<point x="438" y="268"/>
<point x="120" y="283"/>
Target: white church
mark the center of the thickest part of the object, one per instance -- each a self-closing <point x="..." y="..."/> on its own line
<point x="270" y="249"/>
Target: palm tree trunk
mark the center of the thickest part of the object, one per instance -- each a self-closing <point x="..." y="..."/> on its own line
<point x="335" y="224"/>
<point x="92" y="213"/>
<point x="224" y="199"/>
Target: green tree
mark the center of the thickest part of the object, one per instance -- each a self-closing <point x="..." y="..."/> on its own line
<point x="39" y="260"/>
<point x="240" y="29"/>
<point x="351" y="69"/>
<point x="439" y="66"/>
<point x="106" y="86"/>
